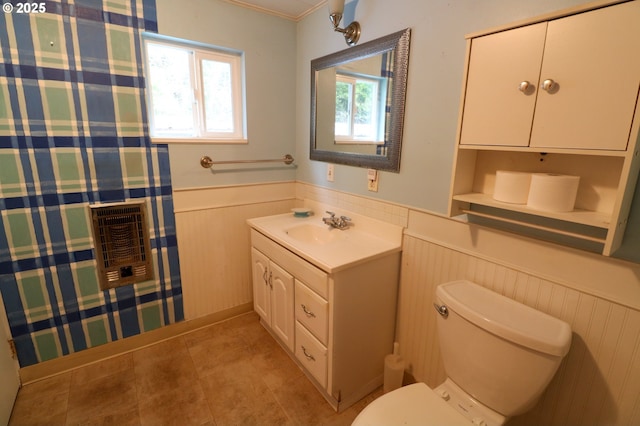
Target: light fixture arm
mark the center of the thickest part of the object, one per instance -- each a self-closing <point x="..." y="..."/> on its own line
<point x="351" y="32"/>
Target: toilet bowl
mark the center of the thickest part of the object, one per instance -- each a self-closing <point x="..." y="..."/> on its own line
<point x="414" y="404"/>
<point x="419" y="405"/>
<point x="499" y="356"/>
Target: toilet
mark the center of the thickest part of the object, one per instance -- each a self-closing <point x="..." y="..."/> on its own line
<point x="499" y="356"/>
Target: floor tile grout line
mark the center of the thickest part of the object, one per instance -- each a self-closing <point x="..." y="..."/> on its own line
<point x="212" y="414"/>
<point x="259" y="352"/>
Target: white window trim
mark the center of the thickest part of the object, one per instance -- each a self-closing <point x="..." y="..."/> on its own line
<point x="198" y="52"/>
<point x="349" y="139"/>
<point x="236" y="66"/>
<point x="197" y="140"/>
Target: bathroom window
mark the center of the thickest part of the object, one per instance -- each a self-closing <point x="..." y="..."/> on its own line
<point x="194" y="92"/>
<point x="358" y="106"/>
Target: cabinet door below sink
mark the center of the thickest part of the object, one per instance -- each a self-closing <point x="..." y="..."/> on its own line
<point x="282" y="304"/>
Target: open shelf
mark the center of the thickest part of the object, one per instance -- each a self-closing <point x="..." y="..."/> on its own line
<point x="595" y="137"/>
<point x="584" y="217"/>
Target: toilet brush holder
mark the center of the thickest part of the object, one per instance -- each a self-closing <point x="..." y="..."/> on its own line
<point x="393" y="370"/>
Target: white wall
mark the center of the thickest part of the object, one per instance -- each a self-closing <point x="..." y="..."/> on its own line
<point x="212" y="205"/>
<point x="434" y="87"/>
<point x="269" y="46"/>
<point x="600" y="297"/>
<point x="214" y="240"/>
<point x="597" y="383"/>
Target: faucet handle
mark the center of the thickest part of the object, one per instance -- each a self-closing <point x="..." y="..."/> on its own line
<point x="345" y="218"/>
<point x="332" y="214"/>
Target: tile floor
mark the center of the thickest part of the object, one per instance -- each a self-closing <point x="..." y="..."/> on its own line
<point x="229" y="373"/>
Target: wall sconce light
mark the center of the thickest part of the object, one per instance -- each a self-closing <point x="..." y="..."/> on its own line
<point x="352" y="31"/>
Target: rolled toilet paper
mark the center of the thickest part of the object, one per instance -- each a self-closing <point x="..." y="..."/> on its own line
<point x="553" y="192"/>
<point x="512" y="187"/>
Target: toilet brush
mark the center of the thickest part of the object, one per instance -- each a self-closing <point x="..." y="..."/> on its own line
<point x="393" y="370"/>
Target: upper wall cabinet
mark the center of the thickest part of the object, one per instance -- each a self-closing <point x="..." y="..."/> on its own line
<point x="589" y="80"/>
<point x="558" y="95"/>
<point x="571" y="82"/>
<point x="503" y="73"/>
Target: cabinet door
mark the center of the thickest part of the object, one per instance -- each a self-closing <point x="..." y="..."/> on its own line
<point x="496" y="111"/>
<point x="593" y="58"/>
<point x="282" y="315"/>
<point x="261" y="289"/>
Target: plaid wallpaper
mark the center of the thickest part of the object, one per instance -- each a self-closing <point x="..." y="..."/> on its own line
<point x="74" y="132"/>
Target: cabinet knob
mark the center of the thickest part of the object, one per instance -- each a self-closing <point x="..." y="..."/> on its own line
<point x="549" y="85"/>
<point x="524" y="87"/>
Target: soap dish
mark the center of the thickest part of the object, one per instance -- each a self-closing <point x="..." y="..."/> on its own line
<point x="301" y="212"/>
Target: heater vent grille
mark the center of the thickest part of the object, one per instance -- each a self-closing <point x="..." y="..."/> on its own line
<point x="123" y="249"/>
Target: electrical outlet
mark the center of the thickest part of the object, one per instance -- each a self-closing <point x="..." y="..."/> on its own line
<point x="372" y="180"/>
<point x="329" y="172"/>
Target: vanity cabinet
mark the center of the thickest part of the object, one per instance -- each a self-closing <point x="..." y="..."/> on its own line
<point x="273" y="296"/>
<point x="556" y="94"/>
<point x="343" y="318"/>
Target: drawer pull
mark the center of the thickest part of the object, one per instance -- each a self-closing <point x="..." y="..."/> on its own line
<point x="307" y="312"/>
<point x="308" y="356"/>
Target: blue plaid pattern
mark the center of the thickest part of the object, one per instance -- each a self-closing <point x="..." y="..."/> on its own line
<point x="74" y="132"/>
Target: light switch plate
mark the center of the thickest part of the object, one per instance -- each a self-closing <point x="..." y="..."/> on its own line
<point x="372" y="180"/>
<point x="330" y="174"/>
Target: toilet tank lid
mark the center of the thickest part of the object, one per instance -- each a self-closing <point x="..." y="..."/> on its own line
<point x="506" y="318"/>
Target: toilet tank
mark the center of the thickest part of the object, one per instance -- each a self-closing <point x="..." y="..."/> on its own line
<point x="501" y="352"/>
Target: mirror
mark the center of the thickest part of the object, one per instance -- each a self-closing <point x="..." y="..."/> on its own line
<point x="358" y="102"/>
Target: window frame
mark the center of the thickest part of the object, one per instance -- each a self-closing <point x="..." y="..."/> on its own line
<point x="197" y="53"/>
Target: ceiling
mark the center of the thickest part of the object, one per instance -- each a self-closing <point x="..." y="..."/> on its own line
<point x="289" y="9"/>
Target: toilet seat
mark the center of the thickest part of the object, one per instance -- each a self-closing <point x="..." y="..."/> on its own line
<point x="415" y="404"/>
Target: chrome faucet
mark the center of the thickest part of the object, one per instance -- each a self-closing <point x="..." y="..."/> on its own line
<point x="341" y="222"/>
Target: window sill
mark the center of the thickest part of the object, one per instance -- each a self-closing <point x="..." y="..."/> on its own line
<point x="357" y="142"/>
<point x="197" y="140"/>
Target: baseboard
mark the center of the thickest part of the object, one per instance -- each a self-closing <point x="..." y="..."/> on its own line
<point x="34" y="373"/>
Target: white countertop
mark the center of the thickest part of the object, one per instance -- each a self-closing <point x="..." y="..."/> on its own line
<point x="366" y="240"/>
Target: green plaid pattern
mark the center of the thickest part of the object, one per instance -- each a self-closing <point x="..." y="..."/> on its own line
<point x="73" y="133"/>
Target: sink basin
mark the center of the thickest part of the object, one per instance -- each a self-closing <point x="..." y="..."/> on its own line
<point x="329" y="249"/>
<point x="315" y="234"/>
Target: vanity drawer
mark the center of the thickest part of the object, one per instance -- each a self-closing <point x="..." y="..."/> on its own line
<point x="312" y="311"/>
<point x="315" y="278"/>
<point x="312" y="354"/>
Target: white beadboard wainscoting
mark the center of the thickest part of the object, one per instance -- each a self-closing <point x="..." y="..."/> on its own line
<point x="598" y="383"/>
<point x="214" y="242"/>
<point x="599" y="380"/>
